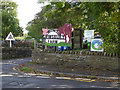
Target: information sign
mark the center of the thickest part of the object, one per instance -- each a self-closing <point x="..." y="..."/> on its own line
<point x="10" y="38"/>
<point x="96" y="45"/>
<point x="88" y="35"/>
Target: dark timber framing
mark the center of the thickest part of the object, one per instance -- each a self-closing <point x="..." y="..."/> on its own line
<point x="80" y="38"/>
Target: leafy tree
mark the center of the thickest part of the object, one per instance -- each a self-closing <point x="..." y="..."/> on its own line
<point x="35" y="30"/>
<point x="10" y="22"/>
<point x="102" y="17"/>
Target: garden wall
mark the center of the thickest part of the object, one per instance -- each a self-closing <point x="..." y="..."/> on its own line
<point x="10" y="53"/>
<point x="83" y="59"/>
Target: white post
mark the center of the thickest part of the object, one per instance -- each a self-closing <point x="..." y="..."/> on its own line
<point x="45" y="47"/>
<point x="34" y="44"/>
<point x="10" y="44"/>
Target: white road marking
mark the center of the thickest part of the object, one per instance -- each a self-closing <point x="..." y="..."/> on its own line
<point x="5" y="75"/>
<point x="23" y="76"/>
<point x="63" y="78"/>
<point x="44" y="77"/>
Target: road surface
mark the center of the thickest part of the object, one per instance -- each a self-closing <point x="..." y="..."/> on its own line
<point x="14" y="79"/>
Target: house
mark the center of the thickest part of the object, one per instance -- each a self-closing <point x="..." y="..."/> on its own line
<point x="53" y="37"/>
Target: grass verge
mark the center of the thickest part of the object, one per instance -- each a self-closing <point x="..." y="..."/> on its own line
<point x="26" y="69"/>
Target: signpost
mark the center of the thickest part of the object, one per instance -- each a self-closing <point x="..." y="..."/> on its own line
<point x="10" y="38"/>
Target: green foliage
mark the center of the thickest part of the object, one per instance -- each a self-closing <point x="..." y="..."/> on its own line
<point x="26" y="69"/>
<point x="35" y="30"/>
<point x="102" y="17"/>
<point x="10" y="22"/>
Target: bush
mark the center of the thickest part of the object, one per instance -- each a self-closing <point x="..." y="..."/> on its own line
<point x="17" y="43"/>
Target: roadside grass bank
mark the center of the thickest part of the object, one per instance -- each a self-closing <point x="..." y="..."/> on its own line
<point x="26" y="69"/>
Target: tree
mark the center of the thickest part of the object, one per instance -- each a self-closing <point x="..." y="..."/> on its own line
<point x="102" y="17"/>
<point x="35" y="29"/>
<point x="10" y="22"/>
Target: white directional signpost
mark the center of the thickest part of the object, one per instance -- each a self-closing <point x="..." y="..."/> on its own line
<point x="10" y="38"/>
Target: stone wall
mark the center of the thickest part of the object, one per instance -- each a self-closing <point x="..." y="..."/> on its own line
<point x="76" y="60"/>
<point x="10" y="53"/>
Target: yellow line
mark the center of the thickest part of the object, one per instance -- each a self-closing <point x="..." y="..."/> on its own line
<point x="14" y="69"/>
<point x="68" y="78"/>
<point x="92" y="80"/>
<point x="85" y="80"/>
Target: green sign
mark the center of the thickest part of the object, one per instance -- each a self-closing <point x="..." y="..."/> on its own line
<point x="58" y="44"/>
<point x="97" y="45"/>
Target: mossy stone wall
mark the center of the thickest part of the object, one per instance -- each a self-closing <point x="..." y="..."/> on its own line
<point x="76" y="60"/>
<point x="10" y="53"/>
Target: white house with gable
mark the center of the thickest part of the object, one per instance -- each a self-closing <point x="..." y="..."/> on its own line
<point x="53" y="37"/>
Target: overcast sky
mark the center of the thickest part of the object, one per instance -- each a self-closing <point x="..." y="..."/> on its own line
<point x="27" y="10"/>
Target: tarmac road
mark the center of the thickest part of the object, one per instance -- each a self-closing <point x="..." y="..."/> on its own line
<point x="14" y="79"/>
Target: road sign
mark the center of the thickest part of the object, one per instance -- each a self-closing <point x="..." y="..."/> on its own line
<point x="97" y="45"/>
<point x="10" y="38"/>
<point x="88" y="35"/>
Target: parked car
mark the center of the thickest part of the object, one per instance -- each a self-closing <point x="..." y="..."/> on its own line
<point x="1" y="42"/>
<point x="97" y="37"/>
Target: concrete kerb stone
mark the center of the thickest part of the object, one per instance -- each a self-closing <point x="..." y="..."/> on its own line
<point x="75" y="75"/>
<point x="78" y="75"/>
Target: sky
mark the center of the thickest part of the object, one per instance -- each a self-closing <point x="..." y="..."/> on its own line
<point x="26" y="11"/>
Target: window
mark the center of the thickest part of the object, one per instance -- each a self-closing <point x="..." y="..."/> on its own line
<point x="56" y="41"/>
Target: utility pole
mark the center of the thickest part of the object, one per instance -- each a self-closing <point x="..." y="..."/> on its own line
<point x="34" y="44"/>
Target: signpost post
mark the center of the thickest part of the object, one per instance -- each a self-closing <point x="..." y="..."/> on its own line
<point x="10" y="38"/>
<point x="10" y="43"/>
